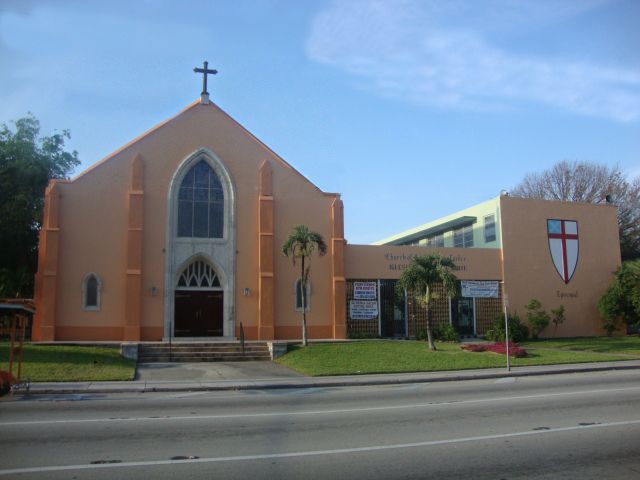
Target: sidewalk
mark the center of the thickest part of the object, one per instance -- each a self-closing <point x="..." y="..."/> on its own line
<point x="294" y="380"/>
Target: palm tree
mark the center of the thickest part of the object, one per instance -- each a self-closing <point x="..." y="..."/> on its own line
<point x="300" y="244"/>
<point x="420" y="278"/>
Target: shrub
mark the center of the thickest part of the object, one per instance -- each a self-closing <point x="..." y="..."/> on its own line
<point x="6" y="380"/>
<point x="518" y="332"/>
<point x="445" y="333"/>
<point x="558" y="317"/>
<point x="537" y="318"/>
<point x="621" y="301"/>
<point x="361" y="335"/>
<point x="441" y="333"/>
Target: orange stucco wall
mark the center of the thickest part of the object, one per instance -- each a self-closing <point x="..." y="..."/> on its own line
<point x="530" y="273"/>
<point x="94" y="218"/>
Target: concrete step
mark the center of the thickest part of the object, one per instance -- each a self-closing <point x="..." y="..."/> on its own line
<point x="187" y="358"/>
<point x="187" y="343"/>
<point x="182" y="348"/>
<point x="203" y="352"/>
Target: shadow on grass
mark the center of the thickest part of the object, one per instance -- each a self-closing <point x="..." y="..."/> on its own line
<point x="628" y="344"/>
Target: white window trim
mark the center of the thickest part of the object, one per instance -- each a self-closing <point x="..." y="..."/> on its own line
<point x="91" y="308"/>
<point x="295" y="296"/>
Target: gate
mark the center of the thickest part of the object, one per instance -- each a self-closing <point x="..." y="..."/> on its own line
<point x="393" y="311"/>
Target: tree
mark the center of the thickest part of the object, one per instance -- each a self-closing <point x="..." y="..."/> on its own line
<point x="536" y="316"/>
<point x="27" y="163"/>
<point x="589" y="182"/>
<point x="621" y="301"/>
<point x="301" y="244"/>
<point x="420" y="278"/>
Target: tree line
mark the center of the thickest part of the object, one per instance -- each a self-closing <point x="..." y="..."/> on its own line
<point x="592" y="183"/>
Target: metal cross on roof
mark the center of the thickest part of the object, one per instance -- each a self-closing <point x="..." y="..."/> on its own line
<point x="205" y="71"/>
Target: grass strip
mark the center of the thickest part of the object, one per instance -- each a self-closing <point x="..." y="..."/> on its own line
<point x="380" y="356"/>
<point x="57" y="363"/>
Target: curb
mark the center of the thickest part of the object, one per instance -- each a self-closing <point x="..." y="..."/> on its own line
<point x="316" y="382"/>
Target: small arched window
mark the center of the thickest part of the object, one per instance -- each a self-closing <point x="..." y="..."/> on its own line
<point x="91" y="287"/>
<point x="307" y="296"/>
<point x="201" y="203"/>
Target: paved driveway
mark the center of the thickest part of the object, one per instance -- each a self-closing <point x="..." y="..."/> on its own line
<point x="213" y="371"/>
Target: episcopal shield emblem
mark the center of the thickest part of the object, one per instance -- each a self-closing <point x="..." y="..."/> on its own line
<point x="563" y="246"/>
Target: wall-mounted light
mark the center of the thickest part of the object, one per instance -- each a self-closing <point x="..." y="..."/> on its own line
<point x="154" y="291"/>
<point x="246" y="292"/>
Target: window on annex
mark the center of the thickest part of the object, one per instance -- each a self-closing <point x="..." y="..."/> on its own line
<point x="490" y="228"/>
<point x="307" y="296"/>
<point x="91" y="287"/>
<point x="436" y="240"/>
<point x="463" y="237"/>
<point x="201" y="203"/>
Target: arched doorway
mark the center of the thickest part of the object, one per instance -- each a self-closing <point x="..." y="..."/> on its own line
<point x="199" y="302"/>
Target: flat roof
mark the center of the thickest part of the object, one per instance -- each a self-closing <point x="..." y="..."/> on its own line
<point x="420" y="232"/>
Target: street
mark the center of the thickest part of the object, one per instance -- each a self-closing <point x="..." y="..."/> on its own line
<point x="583" y="425"/>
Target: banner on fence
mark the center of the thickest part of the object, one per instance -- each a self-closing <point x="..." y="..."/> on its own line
<point x="480" y="289"/>
<point x="363" y="309"/>
<point x="365" y="290"/>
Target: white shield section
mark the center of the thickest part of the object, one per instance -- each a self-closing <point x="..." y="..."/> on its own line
<point x="555" y="246"/>
<point x="572" y="257"/>
<point x="570" y="228"/>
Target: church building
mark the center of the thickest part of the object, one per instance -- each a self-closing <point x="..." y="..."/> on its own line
<point x="178" y="234"/>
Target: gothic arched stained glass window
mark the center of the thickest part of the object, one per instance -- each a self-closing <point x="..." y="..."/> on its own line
<point x="201" y="203"/>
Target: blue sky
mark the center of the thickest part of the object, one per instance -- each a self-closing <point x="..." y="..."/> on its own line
<point x="410" y="109"/>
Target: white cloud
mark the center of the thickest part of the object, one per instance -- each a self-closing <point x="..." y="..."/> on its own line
<point x="445" y="54"/>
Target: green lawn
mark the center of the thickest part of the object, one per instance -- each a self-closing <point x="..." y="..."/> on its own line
<point x="388" y="356"/>
<point x="46" y="363"/>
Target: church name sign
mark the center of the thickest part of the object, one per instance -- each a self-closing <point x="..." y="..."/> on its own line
<point x="560" y="294"/>
<point x="401" y="261"/>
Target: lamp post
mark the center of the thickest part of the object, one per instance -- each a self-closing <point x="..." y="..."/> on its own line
<point x="506" y="329"/>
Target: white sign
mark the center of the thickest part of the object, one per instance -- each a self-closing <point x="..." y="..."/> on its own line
<point x="363" y="309"/>
<point x="480" y="289"/>
<point x="365" y="290"/>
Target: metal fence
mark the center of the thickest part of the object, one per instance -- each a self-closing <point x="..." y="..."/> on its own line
<point x="402" y="315"/>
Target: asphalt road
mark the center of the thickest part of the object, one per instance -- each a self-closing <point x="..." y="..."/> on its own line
<point x="562" y="426"/>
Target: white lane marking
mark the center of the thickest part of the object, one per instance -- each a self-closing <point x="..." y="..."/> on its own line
<point x="186" y="395"/>
<point x="506" y="380"/>
<point x="319" y="412"/>
<point x="372" y="448"/>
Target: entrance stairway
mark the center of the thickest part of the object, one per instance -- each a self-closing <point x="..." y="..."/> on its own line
<point x="203" y="352"/>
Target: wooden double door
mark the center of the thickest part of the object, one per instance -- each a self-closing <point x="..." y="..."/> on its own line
<point x="199" y="313"/>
